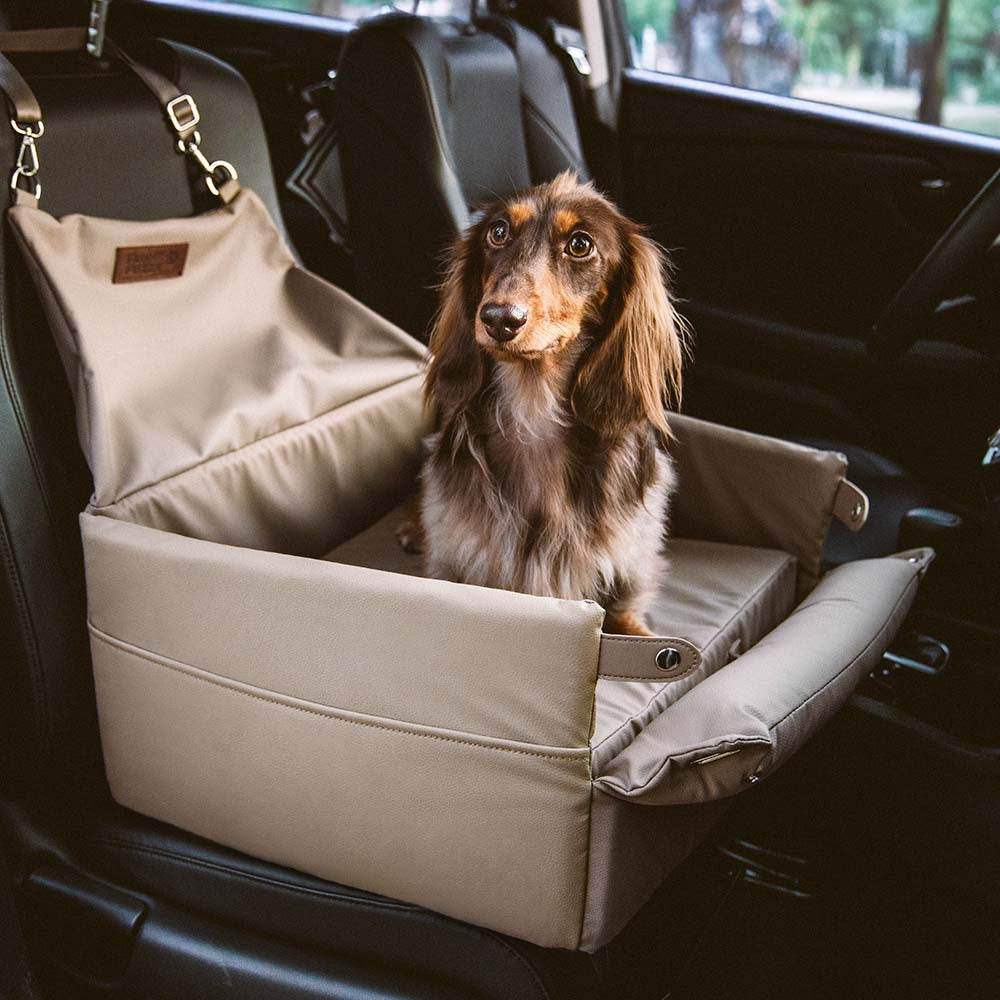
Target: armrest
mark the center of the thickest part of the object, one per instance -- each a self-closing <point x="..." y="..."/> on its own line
<point x="745" y="720"/>
<point x="748" y="489"/>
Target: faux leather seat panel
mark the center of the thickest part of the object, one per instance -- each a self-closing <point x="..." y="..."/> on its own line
<point x="202" y="877"/>
<point x="431" y="124"/>
<point x="550" y="127"/>
<point x="724" y="598"/>
<point x="438" y="117"/>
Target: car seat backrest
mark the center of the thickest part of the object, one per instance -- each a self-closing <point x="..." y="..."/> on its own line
<point x="438" y="117"/>
<point x="550" y="127"/>
<point x="107" y="152"/>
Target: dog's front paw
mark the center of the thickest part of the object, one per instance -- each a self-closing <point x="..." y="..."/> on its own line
<point x="625" y="623"/>
<point x="411" y="537"/>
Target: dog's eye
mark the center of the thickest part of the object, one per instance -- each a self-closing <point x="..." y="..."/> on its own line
<point x="579" y="245"/>
<point x="498" y="233"/>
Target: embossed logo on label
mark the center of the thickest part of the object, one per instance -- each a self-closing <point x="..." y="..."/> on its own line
<point x="149" y="263"/>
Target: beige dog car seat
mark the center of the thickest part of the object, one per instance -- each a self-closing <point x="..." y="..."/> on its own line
<point x="273" y="672"/>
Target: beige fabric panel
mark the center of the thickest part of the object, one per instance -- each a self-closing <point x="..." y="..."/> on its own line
<point x="748" y="717"/>
<point x="748" y="489"/>
<point x="145" y="358"/>
<point x="496" y="835"/>
<point x="710" y="587"/>
<point x="632" y="850"/>
<point x="299" y="491"/>
<point x="426" y="652"/>
<point x="725" y="597"/>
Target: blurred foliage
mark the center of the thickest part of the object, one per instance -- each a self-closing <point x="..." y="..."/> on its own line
<point x="845" y="36"/>
<point x="657" y="13"/>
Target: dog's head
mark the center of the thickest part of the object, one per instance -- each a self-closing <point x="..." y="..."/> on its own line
<point x="554" y="269"/>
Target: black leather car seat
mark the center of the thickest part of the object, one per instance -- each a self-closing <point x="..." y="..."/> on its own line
<point x="892" y="491"/>
<point x="439" y="115"/>
<point x="110" y="897"/>
<point x="436" y="118"/>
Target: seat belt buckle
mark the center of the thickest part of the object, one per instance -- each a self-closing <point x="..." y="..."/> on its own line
<point x="571" y="41"/>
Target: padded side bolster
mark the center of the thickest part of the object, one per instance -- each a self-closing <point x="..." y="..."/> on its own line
<point x="748" y="489"/>
<point x="750" y="716"/>
<point x="364" y="727"/>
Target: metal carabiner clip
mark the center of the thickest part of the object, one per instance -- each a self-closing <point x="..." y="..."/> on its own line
<point x="27" y="165"/>
<point x="193" y="149"/>
<point x="29" y="152"/>
<point x="18" y="174"/>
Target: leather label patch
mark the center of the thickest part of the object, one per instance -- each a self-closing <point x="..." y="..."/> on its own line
<point x="149" y="263"/>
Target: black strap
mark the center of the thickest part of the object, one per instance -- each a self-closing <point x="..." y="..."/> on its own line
<point x="182" y="117"/>
<point x="179" y="109"/>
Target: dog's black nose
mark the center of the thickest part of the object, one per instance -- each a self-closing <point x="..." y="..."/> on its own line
<point x="503" y="320"/>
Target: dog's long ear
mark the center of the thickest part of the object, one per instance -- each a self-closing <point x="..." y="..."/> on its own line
<point x="455" y="373"/>
<point x="632" y="373"/>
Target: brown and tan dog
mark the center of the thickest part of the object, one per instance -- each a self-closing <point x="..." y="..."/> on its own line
<point x="554" y="356"/>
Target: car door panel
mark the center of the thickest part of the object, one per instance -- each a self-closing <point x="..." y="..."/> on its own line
<point x="791" y="225"/>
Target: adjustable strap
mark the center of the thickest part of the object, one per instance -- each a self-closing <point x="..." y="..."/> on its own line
<point x="646" y="658"/>
<point x="180" y="109"/>
<point x="850" y="505"/>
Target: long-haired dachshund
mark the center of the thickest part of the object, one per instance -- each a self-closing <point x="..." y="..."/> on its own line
<point x="554" y="356"/>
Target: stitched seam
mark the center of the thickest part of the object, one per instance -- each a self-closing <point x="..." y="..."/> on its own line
<point x="261" y="444"/>
<point x="440" y="138"/>
<point x="784" y="566"/>
<point x="15" y="398"/>
<point x="741" y="741"/>
<point x="576" y="757"/>
<point x="368" y="903"/>
<point x="587" y="863"/>
<point x="27" y="250"/>
<point x="250" y="876"/>
<point x="36" y="675"/>
<point x="875" y="639"/>
<point x="643" y="677"/>
<point x="554" y="133"/>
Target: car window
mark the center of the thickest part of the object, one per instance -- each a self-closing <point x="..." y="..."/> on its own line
<point x="935" y="61"/>
<point x="355" y="10"/>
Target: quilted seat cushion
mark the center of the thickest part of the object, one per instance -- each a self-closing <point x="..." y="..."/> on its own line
<point x="723" y="598"/>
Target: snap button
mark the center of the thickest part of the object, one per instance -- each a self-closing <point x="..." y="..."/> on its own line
<point x="668" y="658"/>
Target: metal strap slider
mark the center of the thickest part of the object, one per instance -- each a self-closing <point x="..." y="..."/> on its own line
<point x="183" y="114"/>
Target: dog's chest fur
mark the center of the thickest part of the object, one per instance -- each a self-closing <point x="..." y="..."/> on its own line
<point x="517" y="496"/>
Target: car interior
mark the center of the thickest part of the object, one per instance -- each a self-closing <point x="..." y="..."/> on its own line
<point x="840" y="272"/>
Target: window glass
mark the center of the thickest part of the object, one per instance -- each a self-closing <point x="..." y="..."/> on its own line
<point x="354" y="10"/>
<point x="935" y="61"/>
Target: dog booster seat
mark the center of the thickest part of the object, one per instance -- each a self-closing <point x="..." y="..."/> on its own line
<point x="273" y="673"/>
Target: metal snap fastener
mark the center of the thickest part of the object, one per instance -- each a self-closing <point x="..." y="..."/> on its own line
<point x="668" y="658"/>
